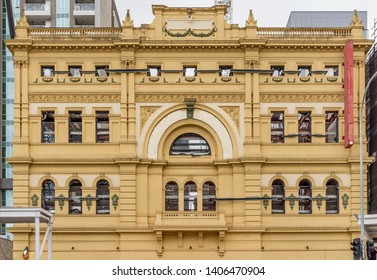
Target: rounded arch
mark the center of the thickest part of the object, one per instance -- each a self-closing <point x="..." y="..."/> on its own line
<point x="103" y="196"/>
<point x="75" y="196"/>
<point x="152" y="134"/>
<point x="285" y="181"/>
<point x="305" y="196"/>
<point x="278" y="193"/>
<point x="332" y="177"/>
<point x="75" y="177"/>
<point x="44" y="178"/>
<point x="99" y="178"/>
<point x="305" y="177"/>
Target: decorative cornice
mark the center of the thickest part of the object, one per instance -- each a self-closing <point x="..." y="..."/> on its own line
<point x="202" y="98"/>
<point x="74" y="98"/>
<point x="288" y="98"/>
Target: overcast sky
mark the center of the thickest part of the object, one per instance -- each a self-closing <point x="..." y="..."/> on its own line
<point x="268" y="13"/>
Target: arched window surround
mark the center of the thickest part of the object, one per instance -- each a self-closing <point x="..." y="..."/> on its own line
<point x="75" y="197"/>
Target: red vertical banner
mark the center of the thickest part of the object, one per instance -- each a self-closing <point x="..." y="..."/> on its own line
<point x="348" y="95"/>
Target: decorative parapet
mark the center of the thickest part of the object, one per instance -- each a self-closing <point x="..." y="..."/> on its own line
<point x="294" y="33"/>
<point x="110" y="32"/>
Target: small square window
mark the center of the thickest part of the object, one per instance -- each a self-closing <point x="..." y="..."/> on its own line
<point x="75" y="71"/>
<point x="304" y="71"/>
<point x="101" y="70"/>
<point x="332" y="71"/>
<point x="154" y="71"/>
<point x="189" y="71"/>
<point x="278" y="70"/>
<point x="47" y="71"/>
<point x="226" y="71"/>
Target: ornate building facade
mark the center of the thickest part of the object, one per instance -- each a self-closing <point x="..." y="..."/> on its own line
<point x="189" y="138"/>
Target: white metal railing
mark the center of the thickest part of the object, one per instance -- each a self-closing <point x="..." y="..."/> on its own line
<point x="42" y="7"/>
<point x="84" y="7"/>
<point x="280" y="32"/>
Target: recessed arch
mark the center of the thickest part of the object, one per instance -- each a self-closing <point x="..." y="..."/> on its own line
<point x="202" y="118"/>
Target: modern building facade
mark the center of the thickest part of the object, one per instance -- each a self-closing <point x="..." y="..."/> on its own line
<point x="189" y="138"/>
<point x="7" y="91"/>
<point x="326" y="19"/>
<point x="71" y="13"/>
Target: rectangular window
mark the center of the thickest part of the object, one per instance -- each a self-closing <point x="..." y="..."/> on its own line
<point x="47" y="71"/>
<point x="226" y="71"/>
<point x="304" y="127"/>
<point x="75" y="127"/>
<point x="189" y="71"/>
<point x="278" y="70"/>
<point x="154" y="71"/>
<point x="277" y="127"/>
<point x="102" y="125"/>
<point x="48" y="127"/>
<point x="332" y="71"/>
<point x="101" y="70"/>
<point x="304" y="71"/>
<point x="74" y="70"/>
<point x="332" y="127"/>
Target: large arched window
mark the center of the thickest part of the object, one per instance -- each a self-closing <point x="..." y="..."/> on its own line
<point x="171" y="196"/>
<point x="278" y="193"/>
<point x="48" y="195"/>
<point x="190" y="144"/>
<point x="332" y="197"/>
<point x="75" y="194"/>
<point x="103" y="197"/>
<point x="305" y="197"/>
<point x="191" y="197"/>
<point x="209" y="195"/>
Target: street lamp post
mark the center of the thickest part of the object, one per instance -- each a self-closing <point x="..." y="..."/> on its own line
<point x="362" y="233"/>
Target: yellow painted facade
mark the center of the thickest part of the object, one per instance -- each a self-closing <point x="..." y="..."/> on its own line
<point x="146" y="114"/>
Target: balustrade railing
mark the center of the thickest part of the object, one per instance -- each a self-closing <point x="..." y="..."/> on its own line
<point x="281" y="32"/>
<point x="75" y="32"/>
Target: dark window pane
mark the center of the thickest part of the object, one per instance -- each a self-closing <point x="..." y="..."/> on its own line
<point x="209" y="196"/>
<point x="332" y="127"/>
<point x="190" y="197"/>
<point x="305" y="197"/>
<point x="103" y="197"/>
<point x="48" y="196"/>
<point x="48" y="127"/>
<point x="190" y="144"/>
<point x="277" y="127"/>
<point x="75" y="195"/>
<point x="304" y="127"/>
<point x="278" y="194"/>
<point x="171" y="197"/>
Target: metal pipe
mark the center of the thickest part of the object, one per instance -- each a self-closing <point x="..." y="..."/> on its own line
<point x="362" y="231"/>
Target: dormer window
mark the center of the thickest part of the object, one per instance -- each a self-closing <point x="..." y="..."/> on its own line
<point x="190" y="144"/>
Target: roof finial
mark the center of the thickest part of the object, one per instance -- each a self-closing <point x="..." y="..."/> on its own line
<point x="356" y="21"/>
<point x="251" y="20"/>
<point x="128" y="21"/>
